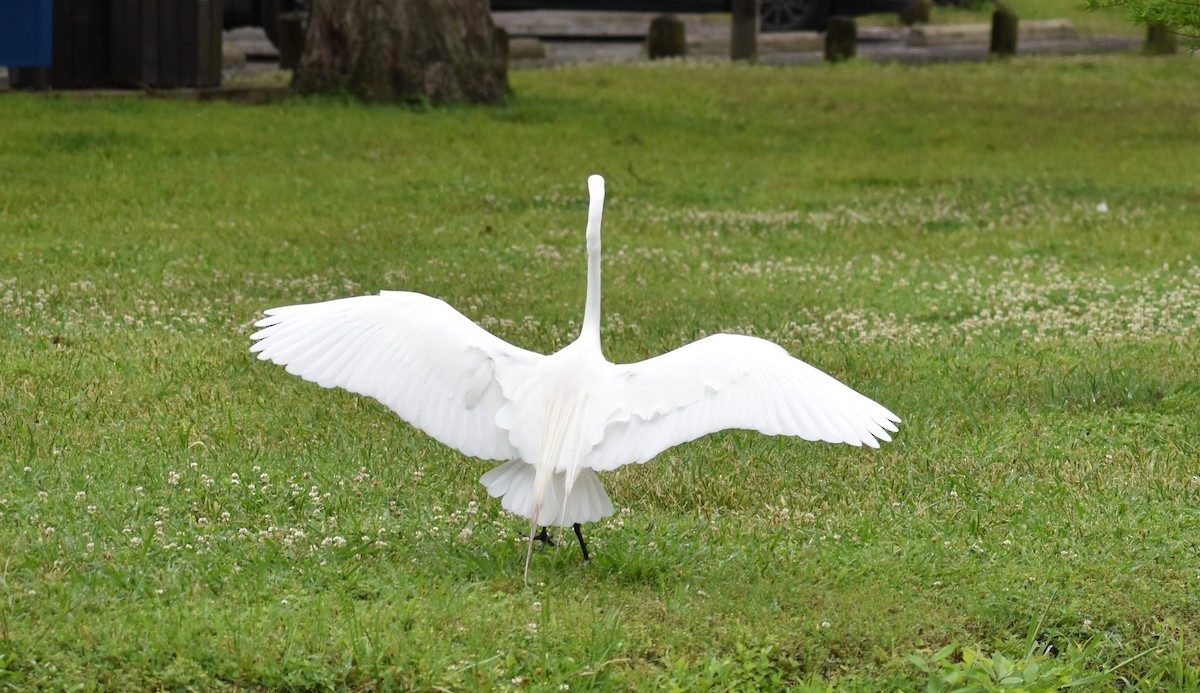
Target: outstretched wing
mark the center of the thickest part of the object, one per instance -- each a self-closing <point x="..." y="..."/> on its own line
<point x="422" y="358"/>
<point x="730" y="381"/>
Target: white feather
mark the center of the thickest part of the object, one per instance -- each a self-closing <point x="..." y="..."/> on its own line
<point x="424" y="360"/>
<point x="730" y="381"/>
<point x="512" y="483"/>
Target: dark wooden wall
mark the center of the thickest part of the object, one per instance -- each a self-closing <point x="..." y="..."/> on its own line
<point x="132" y="43"/>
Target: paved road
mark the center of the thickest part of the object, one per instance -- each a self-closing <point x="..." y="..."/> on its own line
<point x="568" y="52"/>
<point x="707" y="37"/>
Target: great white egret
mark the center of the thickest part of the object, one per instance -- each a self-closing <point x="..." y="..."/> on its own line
<point x="555" y="420"/>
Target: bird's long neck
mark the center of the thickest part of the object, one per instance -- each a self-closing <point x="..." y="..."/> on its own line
<point x="591" y="309"/>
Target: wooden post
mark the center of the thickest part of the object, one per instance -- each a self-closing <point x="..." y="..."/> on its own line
<point x="1004" y="32"/>
<point x="743" y="37"/>
<point x="841" y="39"/>
<point x="1160" y="40"/>
<point x="667" y="38"/>
<point x="916" y="13"/>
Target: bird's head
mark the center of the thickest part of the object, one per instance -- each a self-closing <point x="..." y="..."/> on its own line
<point x="595" y="210"/>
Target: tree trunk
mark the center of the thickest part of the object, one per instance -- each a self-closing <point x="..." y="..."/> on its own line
<point x="404" y="51"/>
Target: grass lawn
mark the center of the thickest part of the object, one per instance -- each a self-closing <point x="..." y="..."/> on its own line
<point x="175" y="514"/>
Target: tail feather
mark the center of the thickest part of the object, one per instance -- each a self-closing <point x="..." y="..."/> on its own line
<point x="513" y="483"/>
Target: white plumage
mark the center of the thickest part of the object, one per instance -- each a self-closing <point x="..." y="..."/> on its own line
<point x="558" y="419"/>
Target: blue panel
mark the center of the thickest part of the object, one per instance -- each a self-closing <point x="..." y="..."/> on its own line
<point x="25" y="28"/>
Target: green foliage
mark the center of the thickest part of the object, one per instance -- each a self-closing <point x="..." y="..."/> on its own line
<point x="975" y="671"/>
<point x="1183" y="17"/>
<point x="175" y="514"/>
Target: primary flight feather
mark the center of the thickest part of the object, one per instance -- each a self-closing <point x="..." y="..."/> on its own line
<point x="555" y="420"/>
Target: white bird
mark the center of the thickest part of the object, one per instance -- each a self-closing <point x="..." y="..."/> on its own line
<point x="556" y="420"/>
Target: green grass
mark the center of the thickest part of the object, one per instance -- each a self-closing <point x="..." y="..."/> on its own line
<point x="175" y="514"/>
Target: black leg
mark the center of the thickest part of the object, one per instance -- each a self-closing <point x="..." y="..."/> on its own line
<point x="582" y="545"/>
<point x="544" y="537"/>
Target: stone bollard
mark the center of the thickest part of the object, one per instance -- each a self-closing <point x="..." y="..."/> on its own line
<point x="667" y="38"/>
<point x="841" y="39"/>
<point x="1004" y="32"/>
<point x="291" y="39"/>
<point x="1160" y="40"/>
<point x="916" y="13"/>
<point x="743" y="39"/>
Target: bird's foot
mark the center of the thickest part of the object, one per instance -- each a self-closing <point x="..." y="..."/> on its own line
<point x="544" y="537"/>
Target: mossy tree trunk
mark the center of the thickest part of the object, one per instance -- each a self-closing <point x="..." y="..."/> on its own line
<point x="403" y="51"/>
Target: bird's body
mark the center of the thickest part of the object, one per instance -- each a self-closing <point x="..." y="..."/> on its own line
<point x="556" y="420"/>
